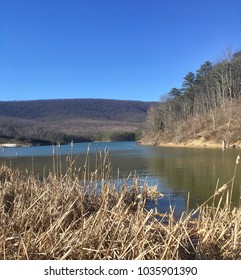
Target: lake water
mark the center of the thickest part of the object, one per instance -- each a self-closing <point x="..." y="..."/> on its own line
<point x="176" y="171"/>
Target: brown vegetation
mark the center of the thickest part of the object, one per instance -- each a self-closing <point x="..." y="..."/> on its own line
<point x="204" y="112"/>
<point x="70" y="217"/>
<point x="198" y="130"/>
<point x="47" y="121"/>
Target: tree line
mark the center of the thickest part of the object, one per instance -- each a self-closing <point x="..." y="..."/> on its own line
<point x="213" y="88"/>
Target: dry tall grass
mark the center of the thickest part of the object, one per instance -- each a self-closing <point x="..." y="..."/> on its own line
<point x="69" y="217"/>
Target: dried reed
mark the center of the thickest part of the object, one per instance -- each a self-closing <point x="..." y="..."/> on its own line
<point x="84" y="215"/>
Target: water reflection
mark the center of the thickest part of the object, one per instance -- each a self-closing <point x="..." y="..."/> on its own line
<point x="176" y="171"/>
<point x="196" y="171"/>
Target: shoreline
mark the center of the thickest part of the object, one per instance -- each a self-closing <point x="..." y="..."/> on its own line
<point x="191" y="144"/>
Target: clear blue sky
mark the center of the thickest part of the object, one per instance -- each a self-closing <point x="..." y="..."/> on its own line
<point x="120" y="49"/>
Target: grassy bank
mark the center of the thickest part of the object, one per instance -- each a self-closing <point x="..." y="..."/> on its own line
<point x="198" y="130"/>
<point x="85" y="215"/>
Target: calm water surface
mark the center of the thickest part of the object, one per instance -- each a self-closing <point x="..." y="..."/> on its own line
<point x="176" y="171"/>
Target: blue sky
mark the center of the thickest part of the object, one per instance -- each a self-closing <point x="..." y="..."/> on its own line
<point x="119" y="49"/>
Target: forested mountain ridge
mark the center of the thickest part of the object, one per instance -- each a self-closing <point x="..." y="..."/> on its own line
<point x="205" y="111"/>
<point x="85" y="108"/>
<point x="63" y="120"/>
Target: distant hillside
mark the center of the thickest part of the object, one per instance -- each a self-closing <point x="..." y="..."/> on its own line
<point x="101" y="109"/>
<point x="66" y="119"/>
